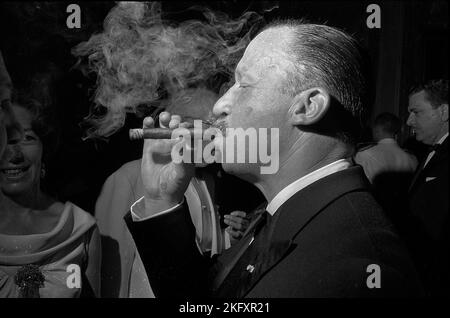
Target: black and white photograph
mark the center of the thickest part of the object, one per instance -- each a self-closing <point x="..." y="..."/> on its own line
<point x="221" y="156"/>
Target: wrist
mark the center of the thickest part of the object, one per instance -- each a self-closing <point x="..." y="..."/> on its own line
<point x="154" y="206"/>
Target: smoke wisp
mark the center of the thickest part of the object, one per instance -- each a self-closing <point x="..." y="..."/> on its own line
<point x="140" y="58"/>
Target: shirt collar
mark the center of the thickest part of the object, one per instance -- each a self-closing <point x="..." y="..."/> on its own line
<point x="305" y="181"/>
<point x="442" y="139"/>
<point x="387" y="141"/>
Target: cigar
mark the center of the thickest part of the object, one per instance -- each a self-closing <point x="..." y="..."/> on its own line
<point x="154" y="133"/>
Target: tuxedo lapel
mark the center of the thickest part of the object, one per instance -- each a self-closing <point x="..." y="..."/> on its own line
<point x="230" y="257"/>
<point x="275" y="241"/>
<point x="295" y="214"/>
<point x="416" y="175"/>
<point x="440" y="155"/>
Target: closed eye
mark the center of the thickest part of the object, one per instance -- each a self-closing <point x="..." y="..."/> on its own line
<point x="2" y="108"/>
<point x="30" y="138"/>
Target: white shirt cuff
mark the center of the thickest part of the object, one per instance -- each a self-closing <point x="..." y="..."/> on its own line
<point x="138" y="209"/>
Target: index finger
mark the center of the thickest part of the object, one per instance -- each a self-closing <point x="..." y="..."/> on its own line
<point x="164" y="119"/>
<point x="239" y="213"/>
<point x="148" y="122"/>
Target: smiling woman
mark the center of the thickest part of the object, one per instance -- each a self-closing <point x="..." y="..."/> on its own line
<point x="36" y="231"/>
<point x="22" y="164"/>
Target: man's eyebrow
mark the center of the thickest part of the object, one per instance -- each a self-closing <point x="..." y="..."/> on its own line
<point x="244" y="73"/>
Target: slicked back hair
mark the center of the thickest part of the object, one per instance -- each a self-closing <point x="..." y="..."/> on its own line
<point x="436" y="91"/>
<point x="328" y="57"/>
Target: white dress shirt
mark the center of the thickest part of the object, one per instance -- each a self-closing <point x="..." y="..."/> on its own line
<point x="305" y="181"/>
<point x="302" y="183"/>
<point x="385" y="156"/>
<point x="431" y="154"/>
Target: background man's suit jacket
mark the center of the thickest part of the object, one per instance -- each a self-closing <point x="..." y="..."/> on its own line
<point x="428" y="225"/>
<point x="318" y="244"/>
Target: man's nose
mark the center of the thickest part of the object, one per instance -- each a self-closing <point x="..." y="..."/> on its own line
<point x="222" y="107"/>
<point x="409" y="121"/>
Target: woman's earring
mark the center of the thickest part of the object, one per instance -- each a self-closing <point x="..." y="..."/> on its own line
<point x="43" y="172"/>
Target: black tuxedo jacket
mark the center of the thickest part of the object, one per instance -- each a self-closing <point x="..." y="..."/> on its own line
<point x="428" y="224"/>
<point x="319" y="243"/>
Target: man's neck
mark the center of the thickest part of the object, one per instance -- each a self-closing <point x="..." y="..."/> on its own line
<point x="297" y="165"/>
<point x="441" y="138"/>
<point x="384" y="137"/>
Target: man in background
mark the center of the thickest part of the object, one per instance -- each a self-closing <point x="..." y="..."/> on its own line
<point x="385" y="155"/>
<point x="428" y="231"/>
<point x="388" y="167"/>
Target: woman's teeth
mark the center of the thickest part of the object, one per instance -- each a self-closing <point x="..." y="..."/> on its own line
<point x="14" y="172"/>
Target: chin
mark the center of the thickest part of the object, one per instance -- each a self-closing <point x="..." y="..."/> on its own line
<point x="418" y="137"/>
<point x="423" y="140"/>
<point x="15" y="189"/>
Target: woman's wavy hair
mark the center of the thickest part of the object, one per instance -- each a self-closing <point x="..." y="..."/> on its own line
<point x="43" y="124"/>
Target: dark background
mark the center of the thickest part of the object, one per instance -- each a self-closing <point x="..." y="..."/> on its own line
<point x="410" y="46"/>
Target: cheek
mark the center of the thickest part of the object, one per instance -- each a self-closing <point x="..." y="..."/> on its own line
<point x="243" y="108"/>
<point x="427" y="121"/>
<point x="34" y="154"/>
<point x="257" y="106"/>
<point x="248" y="111"/>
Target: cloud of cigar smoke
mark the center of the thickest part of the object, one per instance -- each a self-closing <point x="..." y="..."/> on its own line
<point x="140" y="58"/>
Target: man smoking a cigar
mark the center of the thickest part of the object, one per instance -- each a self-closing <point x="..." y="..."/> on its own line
<point x="322" y="231"/>
<point x="123" y="274"/>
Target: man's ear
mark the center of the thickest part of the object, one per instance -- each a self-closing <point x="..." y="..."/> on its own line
<point x="309" y="106"/>
<point x="444" y="112"/>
